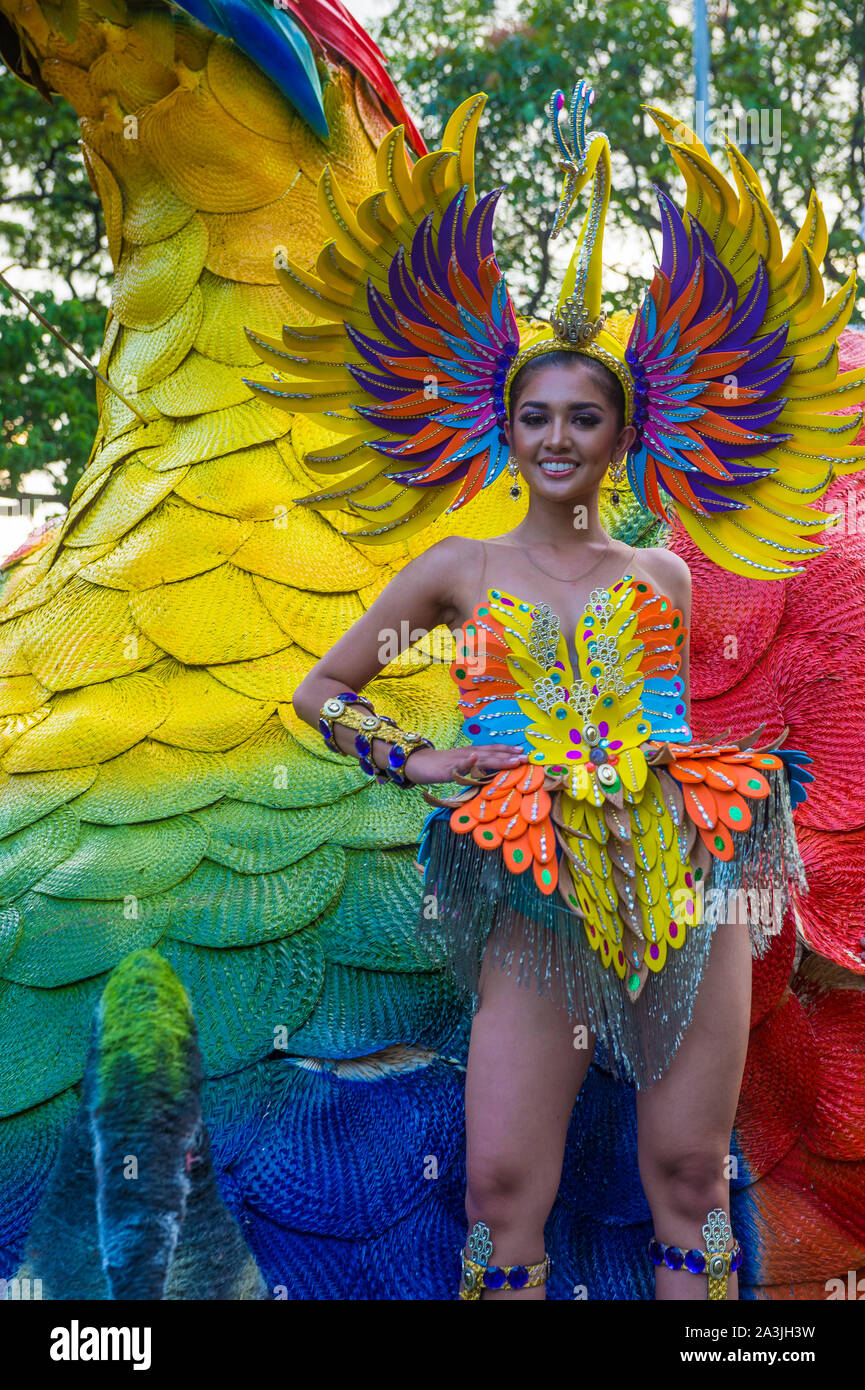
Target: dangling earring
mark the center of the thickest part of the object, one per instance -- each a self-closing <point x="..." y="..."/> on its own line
<point x="617" y="473"/>
<point x="513" y="469"/>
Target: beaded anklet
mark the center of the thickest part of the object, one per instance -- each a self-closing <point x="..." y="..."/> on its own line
<point x="715" y="1262"/>
<point x="477" y="1275"/>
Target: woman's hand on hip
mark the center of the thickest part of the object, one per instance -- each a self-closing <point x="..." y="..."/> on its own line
<point x="430" y="765"/>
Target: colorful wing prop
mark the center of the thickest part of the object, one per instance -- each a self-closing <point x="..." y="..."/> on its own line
<point x="735" y="361"/>
<point x="730" y="370"/>
<point x="419" y="335"/>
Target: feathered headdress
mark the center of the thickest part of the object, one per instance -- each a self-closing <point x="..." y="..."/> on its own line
<point x="730" y="373"/>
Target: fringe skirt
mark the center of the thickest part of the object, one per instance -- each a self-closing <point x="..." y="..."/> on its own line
<point x="472" y="905"/>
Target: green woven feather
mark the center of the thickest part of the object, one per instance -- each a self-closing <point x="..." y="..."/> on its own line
<point x="25" y="857"/>
<point x="121" y="860"/>
<point x="216" y="906"/>
<point x="246" y="1000"/>
<point x="66" y="940"/>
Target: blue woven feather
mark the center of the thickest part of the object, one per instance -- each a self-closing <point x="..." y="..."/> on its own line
<point x="275" y="43"/>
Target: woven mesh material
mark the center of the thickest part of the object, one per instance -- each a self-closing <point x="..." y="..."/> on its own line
<point x="240" y="998"/>
<point x="45" y="1039"/>
<point x="833" y="914"/>
<point x="836" y="1124"/>
<point x="108" y="861"/>
<point x="604" y="1121"/>
<point x="747" y="705"/>
<point x="835" y="799"/>
<point x="797" y="1238"/>
<point x="372" y="925"/>
<point x="417" y="1258"/>
<point x="63" y="941"/>
<point x="29" y="1144"/>
<point x="597" y="1261"/>
<point x="362" y="1011"/>
<point x="214" y="906"/>
<point x="319" y="1163"/>
<point x="727" y="609"/>
<point x="770" y="974"/>
<point x="28" y="797"/>
<point x="779" y="1087"/>
<point x="259" y="839"/>
<point x="26" y="855"/>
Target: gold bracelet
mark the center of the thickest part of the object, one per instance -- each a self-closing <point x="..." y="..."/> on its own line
<point x="368" y="726"/>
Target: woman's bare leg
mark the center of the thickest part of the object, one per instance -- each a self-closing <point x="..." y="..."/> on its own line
<point x="526" y="1064"/>
<point x="685" y="1120"/>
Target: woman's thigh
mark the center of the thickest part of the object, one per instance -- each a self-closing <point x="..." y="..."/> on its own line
<point x="527" y="1060"/>
<point x="688" y="1115"/>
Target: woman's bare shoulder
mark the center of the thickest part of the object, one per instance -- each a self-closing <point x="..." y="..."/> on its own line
<point x="448" y="557"/>
<point x="667" y="571"/>
<point x="453" y="547"/>
<point x="447" y="569"/>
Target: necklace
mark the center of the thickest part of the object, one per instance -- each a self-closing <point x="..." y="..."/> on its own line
<point x="570" y="579"/>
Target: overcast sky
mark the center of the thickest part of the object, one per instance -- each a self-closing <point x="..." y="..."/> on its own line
<point x="365" y="10"/>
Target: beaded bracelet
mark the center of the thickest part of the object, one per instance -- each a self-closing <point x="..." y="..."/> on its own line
<point x="368" y="727"/>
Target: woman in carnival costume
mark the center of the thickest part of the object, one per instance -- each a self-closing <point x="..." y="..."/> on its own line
<point x="596" y="847"/>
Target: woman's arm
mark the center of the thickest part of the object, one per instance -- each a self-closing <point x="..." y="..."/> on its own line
<point x="418" y="599"/>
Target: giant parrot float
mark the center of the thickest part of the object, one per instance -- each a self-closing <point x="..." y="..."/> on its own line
<point x="207" y="949"/>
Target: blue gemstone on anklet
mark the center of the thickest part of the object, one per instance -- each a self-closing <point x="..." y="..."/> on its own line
<point x="695" y="1261"/>
<point x="494" y="1277"/>
<point x="674" y="1258"/>
<point x="656" y="1252"/>
<point x="518" y="1277"/>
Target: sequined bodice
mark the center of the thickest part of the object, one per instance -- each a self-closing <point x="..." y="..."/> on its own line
<point x="547" y="625"/>
<point x="518" y="673"/>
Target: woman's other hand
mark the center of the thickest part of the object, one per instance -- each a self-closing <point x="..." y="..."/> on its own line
<point x="431" y="765"/>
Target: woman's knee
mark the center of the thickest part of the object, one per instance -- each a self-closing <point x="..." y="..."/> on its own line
<point x="688" y="1182"/>
<point x="508" y="1190"/>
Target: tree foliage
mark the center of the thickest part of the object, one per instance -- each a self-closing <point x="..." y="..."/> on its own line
<point x="50" y="221"/>
<point x="784" y="73"/>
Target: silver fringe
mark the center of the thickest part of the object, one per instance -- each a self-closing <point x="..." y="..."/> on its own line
<point x="473" y="905"/>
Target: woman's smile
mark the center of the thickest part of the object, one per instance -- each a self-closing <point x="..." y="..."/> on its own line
<point x="556" y="467"/>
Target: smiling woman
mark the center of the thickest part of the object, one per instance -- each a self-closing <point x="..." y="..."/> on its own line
<point x="574" y="865"/>
<point x="557" y="387"/>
